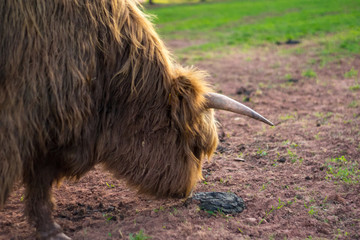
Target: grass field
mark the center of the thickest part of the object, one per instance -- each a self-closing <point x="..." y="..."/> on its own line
<point x="334" y="24"/>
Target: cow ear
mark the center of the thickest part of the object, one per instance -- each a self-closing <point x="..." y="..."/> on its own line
<point x="189" y="85"/>
<point x="187" y="99"/>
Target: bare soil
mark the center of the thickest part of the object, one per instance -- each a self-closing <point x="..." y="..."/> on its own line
<point x="280" y="172"/>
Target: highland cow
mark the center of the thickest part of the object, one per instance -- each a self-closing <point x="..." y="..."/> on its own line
<point x="90" y="82"/>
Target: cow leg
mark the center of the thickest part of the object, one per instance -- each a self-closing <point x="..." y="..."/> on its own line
<point x="39" y="204"/>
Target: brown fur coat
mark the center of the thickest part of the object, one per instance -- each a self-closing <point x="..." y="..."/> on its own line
<point x="85" y="82"/>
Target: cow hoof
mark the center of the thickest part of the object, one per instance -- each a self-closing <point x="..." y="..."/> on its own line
<point x="54" y="234"/>
<point x="58" y="236"/>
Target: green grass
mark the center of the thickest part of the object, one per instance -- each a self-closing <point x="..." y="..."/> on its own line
<point x="261" y="152"/>
<point x="355" y="87"/>
<point x="110" y="185"/>
<point x="280" y="205"/>
<point x="353" y="104"/>
<point x="139" y="236"/>
<point x="309" y="73"/>
<point x="323" y="117"/>
<point x="342" y="170"/>
<point x="288" y="76"/>
<point x="293" y="156"/>
<point x="312" y="209"/>
<point x="351" y="73"/>
<point x="287" y="117"/>
<point x="257" y="22"/>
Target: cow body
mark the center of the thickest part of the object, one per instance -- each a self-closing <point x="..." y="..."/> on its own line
<point x="90" y="82"/>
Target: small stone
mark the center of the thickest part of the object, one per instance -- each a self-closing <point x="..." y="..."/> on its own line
<point x="239" y="159"/>
<point x="335" y="198"/>
<point x="241" y="147"/>
<point x="293" y="80"/>
<point x="111" y="208"/>
<point x="243" y="90"/>
<point x="290" y="41"/>
<point x="299" y="196"/>
<point x="154" y="214"/>
<point x="221" y="149"/>
<point x="246" y="99"/>
<point x="322" y="230"/>
<point x="251" y="220"/>
<point x="332" y="219"/>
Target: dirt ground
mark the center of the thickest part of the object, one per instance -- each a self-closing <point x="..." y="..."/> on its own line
<point x="280" y="172"/>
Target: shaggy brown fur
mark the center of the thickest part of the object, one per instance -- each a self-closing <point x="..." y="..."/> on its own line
<point x="85" y="82"/>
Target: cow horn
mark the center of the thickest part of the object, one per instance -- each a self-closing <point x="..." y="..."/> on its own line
<point x="219" y="101"/>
